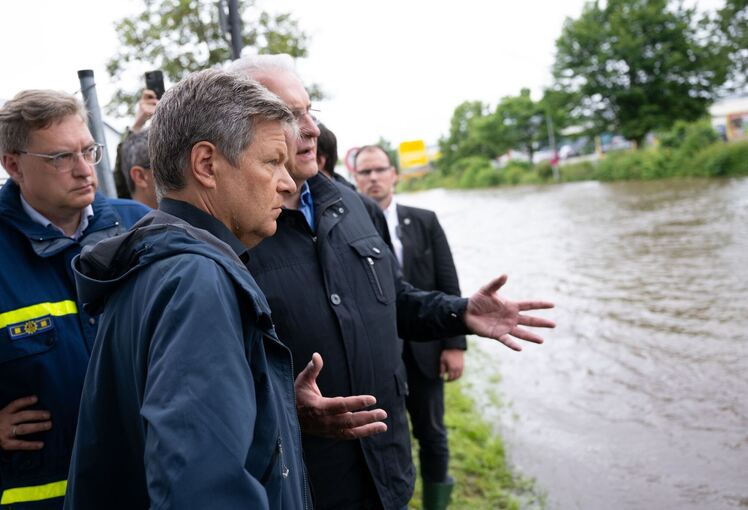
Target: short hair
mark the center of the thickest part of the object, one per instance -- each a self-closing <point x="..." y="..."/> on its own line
<point x="252" y="65"/>
<point x="373" y="148"/>
<point x="30" y="110"/>
<point x="327" y="146"/>
<point x="214" y="106"/>
<point x="134" y="152"/>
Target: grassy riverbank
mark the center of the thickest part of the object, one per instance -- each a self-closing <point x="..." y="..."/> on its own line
<point x="687" y="150"/>
<point x="483" y="480"/>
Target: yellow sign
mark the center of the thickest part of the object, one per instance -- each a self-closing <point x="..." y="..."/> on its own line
<point x="412" y="154"/>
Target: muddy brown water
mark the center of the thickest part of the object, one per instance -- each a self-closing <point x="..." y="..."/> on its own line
<point x="639" y="399"/>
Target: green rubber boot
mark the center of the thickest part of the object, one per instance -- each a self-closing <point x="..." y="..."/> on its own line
<point x="436" y="496"/>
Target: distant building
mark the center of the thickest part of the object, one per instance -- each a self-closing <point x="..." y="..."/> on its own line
<point x="730" y="117"/>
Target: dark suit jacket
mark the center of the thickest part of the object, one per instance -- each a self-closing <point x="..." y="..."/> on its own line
<point x="428" y="265"/>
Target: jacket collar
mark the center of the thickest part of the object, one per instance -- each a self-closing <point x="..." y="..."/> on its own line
<point x="48" y="241"/>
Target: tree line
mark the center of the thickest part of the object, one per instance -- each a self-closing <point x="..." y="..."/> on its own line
<point x="630" y="67"/>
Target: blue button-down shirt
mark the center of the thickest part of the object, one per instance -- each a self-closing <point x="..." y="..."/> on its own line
<point x="306" y="206"/>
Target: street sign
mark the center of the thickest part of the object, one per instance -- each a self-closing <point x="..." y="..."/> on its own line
<point x="412" y="154"/>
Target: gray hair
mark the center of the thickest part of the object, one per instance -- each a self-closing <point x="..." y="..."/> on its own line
<point x="214" y="106"/>
<point x="253" y="65"/>
<point x="30" y="110"/>
<point x="134" y="152"/>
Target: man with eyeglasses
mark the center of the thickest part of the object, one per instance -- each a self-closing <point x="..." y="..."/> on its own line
<point x="49" y="210"/>
<point x="335" y="289"/>
<point x="426" y="260"/>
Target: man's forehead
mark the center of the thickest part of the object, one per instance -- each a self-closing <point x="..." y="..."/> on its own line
<point x="374" y="155"/>
<point x="70" y="129"/>
<point x="286" y="85"/>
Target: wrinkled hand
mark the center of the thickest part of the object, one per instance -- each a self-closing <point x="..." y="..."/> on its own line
<point x="146" y="108"/>
<point x="337" y="417"/>
<point x="16" y="422"/>
<point x="493" y="316"/>
<point x="451" y="364"/>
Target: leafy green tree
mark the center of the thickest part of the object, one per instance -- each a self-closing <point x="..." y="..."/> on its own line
<point x="639" y="65"/>
<point x="733" y="24"/>
<point x="463" y="139"/>
<point x="182" y="36"/>
<point x="522" y="122"/>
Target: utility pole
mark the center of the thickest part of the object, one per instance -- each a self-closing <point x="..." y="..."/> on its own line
<point x="96" y="125"/>
<point x="235" y="27"/>
<point x="552" y="142"/>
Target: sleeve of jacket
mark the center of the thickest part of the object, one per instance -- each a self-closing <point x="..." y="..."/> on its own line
<point x="423" y="316"/>
<point x="199" y="401"/>
<point x="446" y="274"/>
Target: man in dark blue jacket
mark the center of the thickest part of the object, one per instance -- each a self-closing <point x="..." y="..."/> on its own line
<point x="335" y="288"/>
<point x="48" y="211"/>
<point x="189" y="396"/>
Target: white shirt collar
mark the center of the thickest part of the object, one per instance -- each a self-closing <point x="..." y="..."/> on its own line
<point x="42" y="220"/>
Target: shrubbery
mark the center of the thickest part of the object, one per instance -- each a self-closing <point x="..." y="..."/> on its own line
<point x="686" y="150"/>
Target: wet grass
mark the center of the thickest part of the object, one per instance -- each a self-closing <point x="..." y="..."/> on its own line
<point x="478" y="462"/>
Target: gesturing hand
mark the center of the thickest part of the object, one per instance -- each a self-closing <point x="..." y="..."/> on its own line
<point x="493" y="316"/>
<point x="337" y="417"/>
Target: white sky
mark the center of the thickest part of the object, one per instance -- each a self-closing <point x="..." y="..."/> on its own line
<point x="391" y="68"/>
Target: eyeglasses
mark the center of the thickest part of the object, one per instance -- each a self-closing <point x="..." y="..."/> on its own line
<point x="299" y="113"/>
<point x="366" y="172"/>
<point x="65" y="161"/>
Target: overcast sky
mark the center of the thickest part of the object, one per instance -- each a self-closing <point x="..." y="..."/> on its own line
<point x="391" y="68"/>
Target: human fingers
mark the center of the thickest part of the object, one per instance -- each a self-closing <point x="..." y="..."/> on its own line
<point x="534" y="305"/>
<point x="364" y="431"/>
<point x="23" y="429"/>
<point x="536" y="322"/>
<point x="311" y="370"/>
<point x="19" y="404"/>
<point x="527" y="335"/>
<point x="17" y="444"/>
<point x="29" y="416"/>
<point x="339" y="405"/>
<point x="494" y="285"/>
<point x="509" y="342"/>
<point x="148" y="94"/>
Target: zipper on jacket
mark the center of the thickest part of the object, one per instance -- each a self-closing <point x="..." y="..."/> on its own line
<point x="374" y="274"/>
<point x="284" y="468"/>
<point x="307" y="505"/>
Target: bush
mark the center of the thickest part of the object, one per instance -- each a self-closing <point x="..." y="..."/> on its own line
<point x="582" y="171"/>
<point x="722" y="159"/>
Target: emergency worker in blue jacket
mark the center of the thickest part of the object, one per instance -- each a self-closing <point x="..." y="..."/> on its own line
<point x="49" y="209"/>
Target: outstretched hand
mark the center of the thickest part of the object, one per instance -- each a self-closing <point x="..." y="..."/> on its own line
<point x="492" y="316"/>
<point x="336" y="417"/>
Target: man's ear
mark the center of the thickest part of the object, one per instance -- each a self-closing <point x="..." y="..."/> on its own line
<point x="139" y="176"/>
<point x="10" y="163"/>
<point x="203" y="164"/>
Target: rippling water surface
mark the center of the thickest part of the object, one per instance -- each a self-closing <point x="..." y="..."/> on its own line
<point x="639" y="399"/>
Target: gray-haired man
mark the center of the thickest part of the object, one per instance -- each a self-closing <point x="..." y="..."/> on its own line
<point x="335" y="288"/>
<point x="189" y="397"/>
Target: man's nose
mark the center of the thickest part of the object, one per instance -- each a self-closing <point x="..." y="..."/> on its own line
<point x="81" y="168"/>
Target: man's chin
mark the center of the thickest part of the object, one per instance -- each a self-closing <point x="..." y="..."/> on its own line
<point x="304" y="171"/>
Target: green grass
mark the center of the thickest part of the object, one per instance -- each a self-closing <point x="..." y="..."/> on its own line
<point x="478" y="463"/>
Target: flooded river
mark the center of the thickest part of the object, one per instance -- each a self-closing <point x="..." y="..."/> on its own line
<point x="639" y="399"/>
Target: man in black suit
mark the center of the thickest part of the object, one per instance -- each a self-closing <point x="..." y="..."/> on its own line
<point x="426" y="260"/>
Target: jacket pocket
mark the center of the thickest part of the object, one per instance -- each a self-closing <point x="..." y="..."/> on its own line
<point x="27" y="338"/>
<point x="374" y="255"/>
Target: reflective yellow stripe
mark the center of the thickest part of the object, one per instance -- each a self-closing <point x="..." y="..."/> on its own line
<point x="36" y="311"/>
<point x="34" y="493"/>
